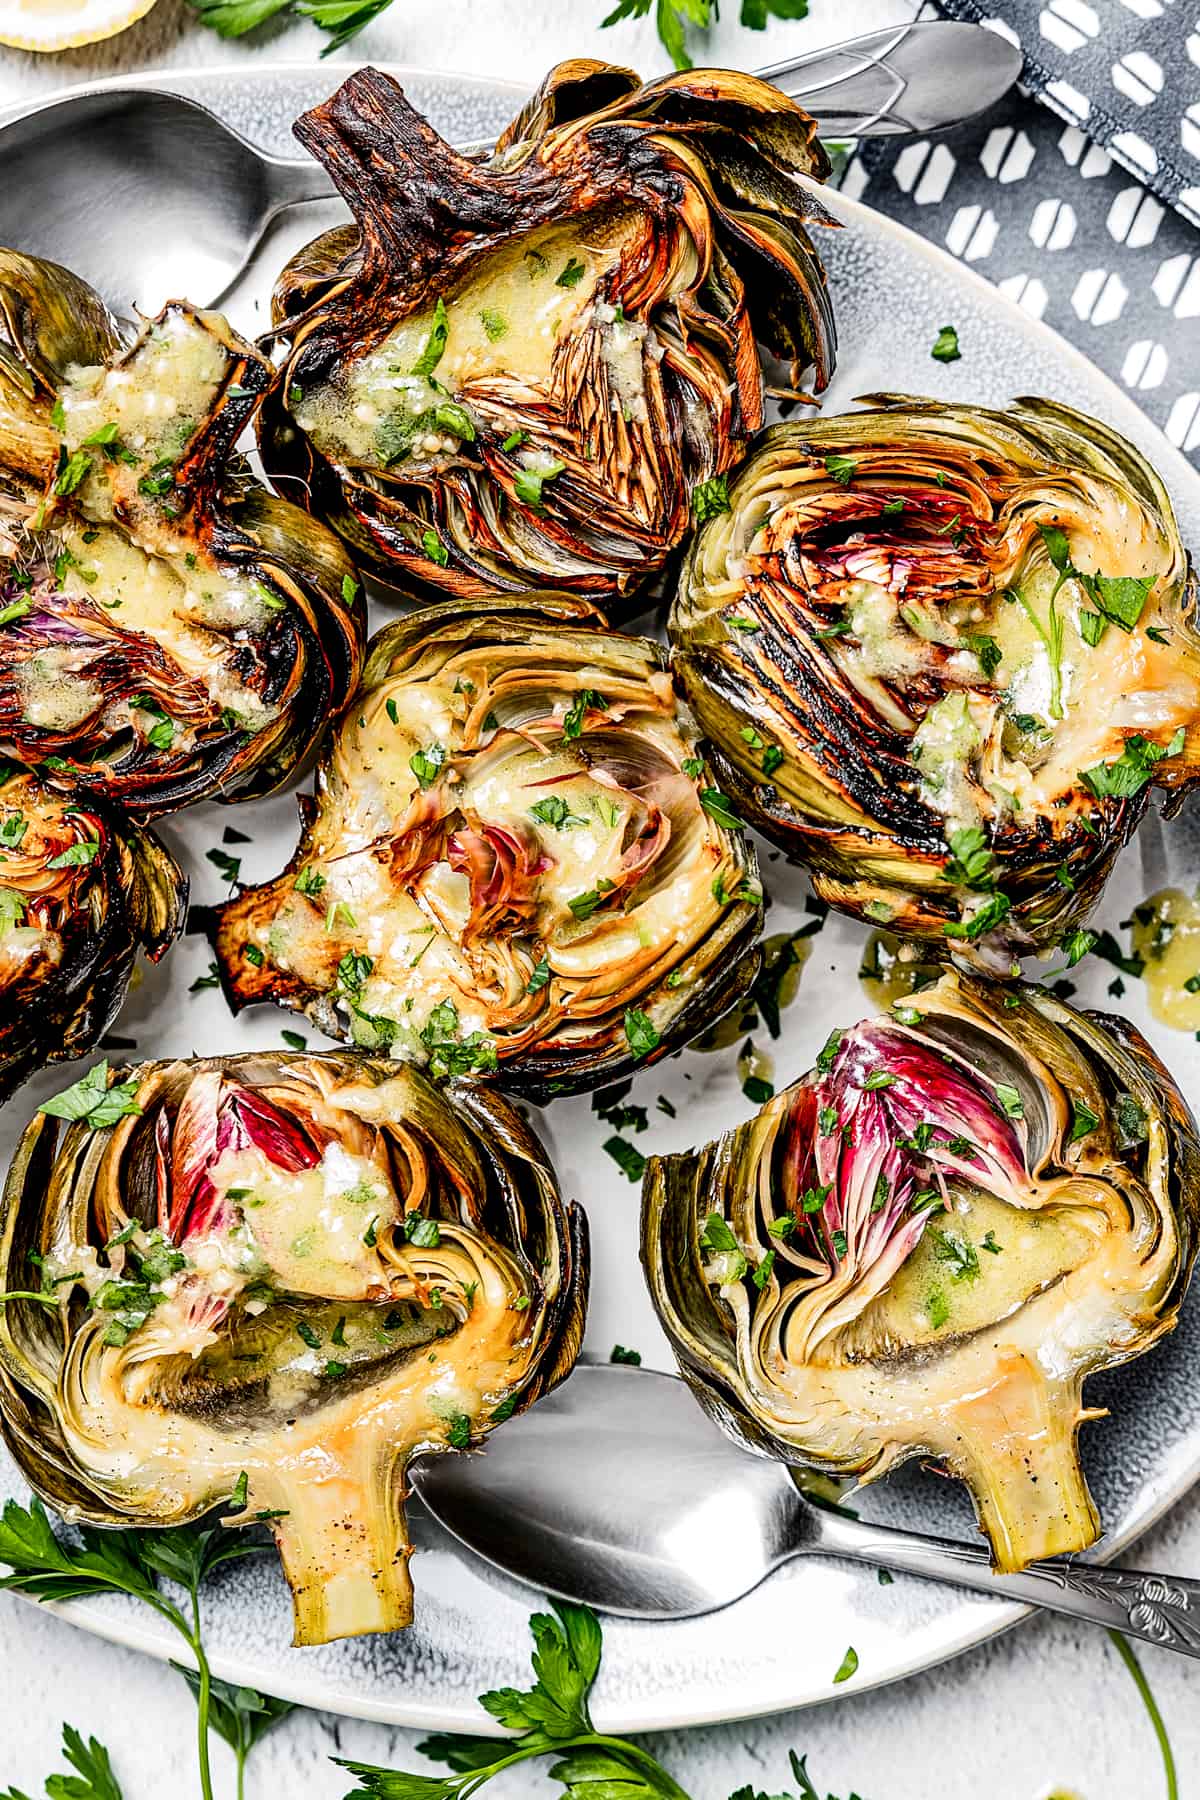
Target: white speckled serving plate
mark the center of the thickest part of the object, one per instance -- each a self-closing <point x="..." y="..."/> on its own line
<point x="780" y="1646"/>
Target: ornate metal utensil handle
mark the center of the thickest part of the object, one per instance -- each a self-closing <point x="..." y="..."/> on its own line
<point x="1163" y="1609"/>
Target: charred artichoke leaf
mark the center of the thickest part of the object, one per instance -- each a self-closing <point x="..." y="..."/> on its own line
<point x="168" y="631"/>
<point x="81" y="890"/>
<point x="943" y="655"/>
<point x="516" y="861"/>
<point x="925" y="1245"/>
<point x="279" y="1278"/>
<point x="516" y="372"/>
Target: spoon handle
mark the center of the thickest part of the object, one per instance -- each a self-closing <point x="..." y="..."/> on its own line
<point x="918" y="77"/>
<point x="907" y="79"/>
<point x="1163" y="1609"/>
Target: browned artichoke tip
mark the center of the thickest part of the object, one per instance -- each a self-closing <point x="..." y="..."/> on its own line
<point x="169" y="631"/>
<point x="516" y="864"/>
<point x="268" y="1282"/>
<point x="529" y="371"/>
<point x="81" y="891"/>
<point x="925" y="1246"/>
<point x="943" y="655"/>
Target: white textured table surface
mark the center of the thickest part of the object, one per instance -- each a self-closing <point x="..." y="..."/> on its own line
<point x="1046" y="1708"/>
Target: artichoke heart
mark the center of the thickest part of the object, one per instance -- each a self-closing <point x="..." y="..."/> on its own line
<point x="266" y="1286"/>
<point x="925" y="1245"/>
<point x="943" y="656"/>
<point x="169" y="631"/>
<point x="532" y="370"/>
<point x="81" y="890"/>
<point x="514" y="861"/>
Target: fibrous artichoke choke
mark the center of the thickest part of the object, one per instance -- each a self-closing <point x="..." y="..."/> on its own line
<point x="266" y="1282"/>
<point x="169" y="631"/>
<point x="535" y="370"/>
<point x="81" y="890"/>
<point x="943" y="655"/>
<point x="515" y="862"/>
<point x="926" y="1244"/>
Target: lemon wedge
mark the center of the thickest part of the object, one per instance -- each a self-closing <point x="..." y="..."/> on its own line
<point x="65" y="24"/>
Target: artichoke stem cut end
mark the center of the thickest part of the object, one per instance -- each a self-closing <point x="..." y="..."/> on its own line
<point x="345" y="1555"/>
<point x="1018" y="1453"/>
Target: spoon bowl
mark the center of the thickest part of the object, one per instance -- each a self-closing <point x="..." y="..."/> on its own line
<point x="617" y="1492"/>
<point x="628" y="1515"/>
<point x="204" y="197"/>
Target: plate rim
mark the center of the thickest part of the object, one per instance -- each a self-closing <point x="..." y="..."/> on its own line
<point x="1000" y="1617"/>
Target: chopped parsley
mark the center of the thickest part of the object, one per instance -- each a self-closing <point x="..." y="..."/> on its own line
<point x="994" y="910"/>
<point x="719" y="807"/>
<point x="539" y="976"/>
<point x="76" y="855"/>
<point x="586" y="700"/>
<point x="944" y="348"/>
<point x="309" y="881"/>
<point x="971" y="862"/>
<point x="229" y="868"/>
<point x="449" y="1052"/>
<point x="1130" y="772"/>
<point x="710" y="499"/>
<point x="435" y="343"/>
<point x="160" y="730"/>
<point x="585" y="904"/>
<point x="1083" y="1120"/>
<point x="627" y="1157"/>
<point x="426" y="764"/>
<point x="554" y="811"/>
<point x="91" y="1098"/>
<point x="962" y="1257"/>
<point x="1078" y="944"/>
<point x="640" y="1034"/>
<point x="528" y="483"/>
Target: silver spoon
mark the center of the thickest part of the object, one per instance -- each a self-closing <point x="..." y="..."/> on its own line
<point x="192" y="200"/>
<point x="615" y="1489"/>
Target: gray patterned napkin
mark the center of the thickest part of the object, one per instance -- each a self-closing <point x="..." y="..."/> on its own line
<point x="1053" y="217"/>
<point x="1127" y="71"/>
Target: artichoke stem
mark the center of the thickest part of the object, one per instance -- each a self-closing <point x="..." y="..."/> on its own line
<point x="345" y="1554"/>
<point x="1017" y="1451"/>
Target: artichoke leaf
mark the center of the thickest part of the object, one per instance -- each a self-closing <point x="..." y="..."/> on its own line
<point x="515" y="863"/>
<point x="530" y="399"/>
<point x="280" y="1278"/>
<point x="81" y="890"/>
<point x="965" y="642"/>
<point x="157" y="648"/>
<point x="926" y="1245"/>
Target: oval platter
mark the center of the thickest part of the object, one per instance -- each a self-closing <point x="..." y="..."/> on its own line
<point x="780" y="1646"/>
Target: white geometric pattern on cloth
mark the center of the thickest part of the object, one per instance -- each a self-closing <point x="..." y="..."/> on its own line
<point x="1063" y="230"/>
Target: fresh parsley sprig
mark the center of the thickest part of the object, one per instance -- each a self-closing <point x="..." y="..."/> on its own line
<point x="240" y="1715"/>
<point x="48" y="1567"/>
<point x="550" y="1718"/>
<point x="93" y="1780"/>
<point x="344" y="19"/>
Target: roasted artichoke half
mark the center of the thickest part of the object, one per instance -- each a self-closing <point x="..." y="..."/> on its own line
<point x="943" y="655"/>
<point x="515" y="861"/>
<point x="264" y="1283"/>
<point x="534" y="370"/>
<point x="169" y="631"/>
<point x="81" y="891"/>
<point x="926" y="1244"/>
